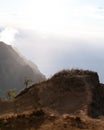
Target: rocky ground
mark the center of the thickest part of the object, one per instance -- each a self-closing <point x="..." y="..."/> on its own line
<point x="70" y="100"/>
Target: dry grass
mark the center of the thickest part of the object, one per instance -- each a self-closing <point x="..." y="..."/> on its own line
<point x="72" y="72"/>
<point x="40" y="120"/>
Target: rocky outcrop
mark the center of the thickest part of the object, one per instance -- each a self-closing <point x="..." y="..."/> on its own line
<point x="67" y="92"/>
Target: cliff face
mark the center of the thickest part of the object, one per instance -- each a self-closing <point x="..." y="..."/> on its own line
<point x="69" y="91"/>
<point x="14" y="68"/>
<point x="68" y="100"/>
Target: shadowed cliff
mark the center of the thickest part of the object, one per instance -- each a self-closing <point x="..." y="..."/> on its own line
<point x="14" y="68"/>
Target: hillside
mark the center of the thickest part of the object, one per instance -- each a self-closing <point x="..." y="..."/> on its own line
<point x="74" y="89"/>
<point x="14" y="68"/>
<point x="70" y="100"/>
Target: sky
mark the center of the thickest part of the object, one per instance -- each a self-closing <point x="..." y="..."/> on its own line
<point x="61" y="17"/>
<point x="56" y="34"/>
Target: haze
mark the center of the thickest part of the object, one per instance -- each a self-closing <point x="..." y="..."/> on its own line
<point x="56" y="34"/>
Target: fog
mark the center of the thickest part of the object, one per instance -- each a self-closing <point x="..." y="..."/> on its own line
<point x="52" y="53"/>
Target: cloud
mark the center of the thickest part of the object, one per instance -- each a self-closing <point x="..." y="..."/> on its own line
<point x="8" y="35"/>
<point x="101" y="8"/>
<point x="52" y="53"/>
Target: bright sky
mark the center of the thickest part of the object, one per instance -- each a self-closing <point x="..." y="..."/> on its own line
<point x="62" y="17"/>
<point x="46" y="29"/>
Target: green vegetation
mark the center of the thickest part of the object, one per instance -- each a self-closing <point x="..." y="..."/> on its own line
<point x="11" y="93"/>
<point x="27" y="81"/>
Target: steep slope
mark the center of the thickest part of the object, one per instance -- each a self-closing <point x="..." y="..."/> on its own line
<point x="14" y="68"/>
<point x="70" y="100"/>
<point x="69" y="91"/>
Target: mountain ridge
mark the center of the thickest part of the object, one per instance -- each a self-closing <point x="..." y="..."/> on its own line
<point x="14" y="68"/>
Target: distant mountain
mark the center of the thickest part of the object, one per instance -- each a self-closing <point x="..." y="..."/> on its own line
<point x="14" y="69"/>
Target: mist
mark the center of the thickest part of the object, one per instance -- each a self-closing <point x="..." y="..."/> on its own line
<point x="8" y="34"/>
<point x="52" y="53"/>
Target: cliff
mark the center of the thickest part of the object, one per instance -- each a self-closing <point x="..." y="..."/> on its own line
<point x="14" y="69"/>
<point x="71" y="99"/>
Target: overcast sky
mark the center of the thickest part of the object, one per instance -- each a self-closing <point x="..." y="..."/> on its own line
<point x="61" y="17"/>
<point x="56" y="34"/>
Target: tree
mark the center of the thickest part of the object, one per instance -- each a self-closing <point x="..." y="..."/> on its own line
<point x="27" y="82"/>
<point x="11" y="93"/>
